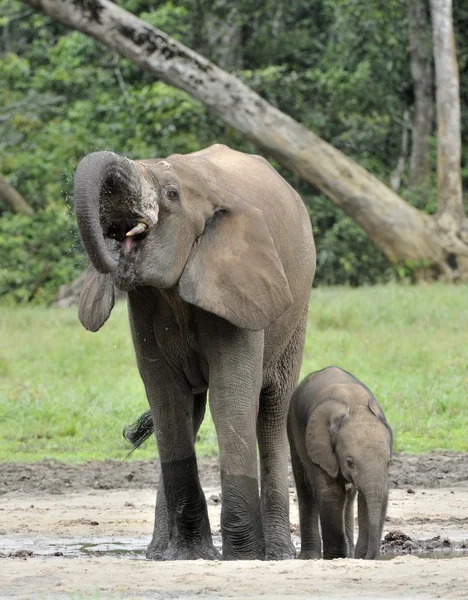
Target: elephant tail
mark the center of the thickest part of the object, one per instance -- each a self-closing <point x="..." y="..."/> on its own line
<point x="137" y="433"/>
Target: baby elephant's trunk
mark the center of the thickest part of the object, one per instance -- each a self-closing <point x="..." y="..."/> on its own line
<point x="376" y="501"/>
<point x="373" y="547"/>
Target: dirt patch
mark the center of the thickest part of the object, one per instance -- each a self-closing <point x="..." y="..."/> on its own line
<point x="81" y="532"/>
<point x="438" y="469"/>
<point x="398" y="542"/>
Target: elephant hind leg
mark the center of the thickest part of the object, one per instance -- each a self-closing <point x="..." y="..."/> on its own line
<point x="274" y="447"/>
<point x="162" y="522"/>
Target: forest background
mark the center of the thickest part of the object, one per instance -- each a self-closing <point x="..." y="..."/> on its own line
<point x="342" y="68"/>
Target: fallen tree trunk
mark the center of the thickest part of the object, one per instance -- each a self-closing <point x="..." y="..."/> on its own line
<point x="402" y="233"/>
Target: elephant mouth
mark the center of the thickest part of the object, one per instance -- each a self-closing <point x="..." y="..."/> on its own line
<point x="127" y="233"/>
<point x="126" y="238"/>
<point x="123" y="229"/>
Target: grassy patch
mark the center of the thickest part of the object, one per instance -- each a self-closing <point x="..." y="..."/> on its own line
<point x="66" y="393"/>
<point x="408" y="344"/>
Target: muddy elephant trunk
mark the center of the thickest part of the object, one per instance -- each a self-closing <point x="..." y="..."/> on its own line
<point x="98" y="175"/>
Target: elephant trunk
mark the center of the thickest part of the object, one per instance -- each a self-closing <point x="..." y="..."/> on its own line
<point x="101" y="174"/>
<point x="376" y="497"/>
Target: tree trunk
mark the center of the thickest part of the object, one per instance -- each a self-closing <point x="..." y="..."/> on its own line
<point x="401" y="232"/>
<point x="419" y="33"/>
<point x="13" y="199"/>
<point x="448" y="111"/>
<point x="450" y="211"/>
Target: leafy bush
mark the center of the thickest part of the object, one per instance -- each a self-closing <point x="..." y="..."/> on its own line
<point x="39" y="254"/>
<point x="345" y="255"/>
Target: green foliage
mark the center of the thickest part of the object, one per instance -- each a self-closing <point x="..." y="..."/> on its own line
<point x="341" y="67"/>
<point x="38" y="254"/>
<point x="345" y="255"/>
<point x="66" y="393"/>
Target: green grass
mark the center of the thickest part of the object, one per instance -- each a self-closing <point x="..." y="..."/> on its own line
<point x="66" y="393"/>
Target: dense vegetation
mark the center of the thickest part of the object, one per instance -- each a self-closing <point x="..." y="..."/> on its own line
<point x="67" y="393"/>
<point x="341" y="67"/>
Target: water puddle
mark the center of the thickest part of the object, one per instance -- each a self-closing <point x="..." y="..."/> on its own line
<point x="394" y="544"/>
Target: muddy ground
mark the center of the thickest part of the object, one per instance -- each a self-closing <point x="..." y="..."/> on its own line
<point x="80" y="532"/>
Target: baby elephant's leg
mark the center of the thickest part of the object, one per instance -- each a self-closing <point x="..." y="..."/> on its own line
<point x="311" y="544"/>
<point x="332" y="498"/>
<point x="349" y="517"/>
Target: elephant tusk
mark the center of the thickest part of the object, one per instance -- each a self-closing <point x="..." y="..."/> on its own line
<point x="140" y="228"/>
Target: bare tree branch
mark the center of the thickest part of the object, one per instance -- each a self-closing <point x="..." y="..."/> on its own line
<point x="13" y="199"/>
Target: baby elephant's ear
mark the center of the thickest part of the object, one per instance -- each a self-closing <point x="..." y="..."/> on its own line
<point x="96" y="299"/>
<point x="375" y="408"/>
<point x="324" y="425"/>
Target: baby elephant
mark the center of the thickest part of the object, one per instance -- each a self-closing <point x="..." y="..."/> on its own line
<point x="341" y="444"/>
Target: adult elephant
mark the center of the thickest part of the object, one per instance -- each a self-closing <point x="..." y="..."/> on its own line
<point x="216" y="253"/>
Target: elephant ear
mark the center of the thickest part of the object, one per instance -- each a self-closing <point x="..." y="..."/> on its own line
<point x="234" y="271"/>
<point x="324" y="423"/>
<point x="96" y="299"/>
<point x="376" y="409"/>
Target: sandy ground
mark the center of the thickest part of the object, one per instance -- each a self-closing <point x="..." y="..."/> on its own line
<point x="85" y="543"/>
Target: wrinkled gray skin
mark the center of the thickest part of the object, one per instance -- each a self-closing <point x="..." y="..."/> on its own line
<point x="341" y="444"/>
<point x="218" y="287"/>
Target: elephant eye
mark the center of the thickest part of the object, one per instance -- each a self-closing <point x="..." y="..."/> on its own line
<point x="172" y="193"/>
<point x="350" y="463"/>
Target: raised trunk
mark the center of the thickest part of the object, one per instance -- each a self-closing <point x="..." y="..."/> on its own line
<point x="99" y="173"/>
<point x="402" y="233"/>
<point x="419" y="33"/>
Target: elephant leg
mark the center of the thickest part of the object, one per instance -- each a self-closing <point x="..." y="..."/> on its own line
<point x="311" y="543"/>
<point x="273" y="447"/>
<point x="363" y="522"/>
<point x="349" y="517"/>
<point x="162" y="524"/>
<point x="235" y="362"/>
<point x="273" y="444"/>
<point x="332" y="498"/>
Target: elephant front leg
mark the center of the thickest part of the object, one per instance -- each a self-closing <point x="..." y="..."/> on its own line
<point x="332" y="498"/>
<point x="349" y="517"/>
<point x="311" y="542"/>
<point x="235" y="381"/>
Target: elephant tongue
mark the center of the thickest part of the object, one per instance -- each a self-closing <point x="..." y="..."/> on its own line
<point x="128" y="244"/>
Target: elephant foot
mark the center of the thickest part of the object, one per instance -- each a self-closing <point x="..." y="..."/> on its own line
<point x="156" y="550"/>
<point x="206" y="552"/>
<point x="309" y="555"/>
<point x="285" y="551"/>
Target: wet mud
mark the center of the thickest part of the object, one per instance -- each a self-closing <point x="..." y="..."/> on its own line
<point x="81" y="532"/>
